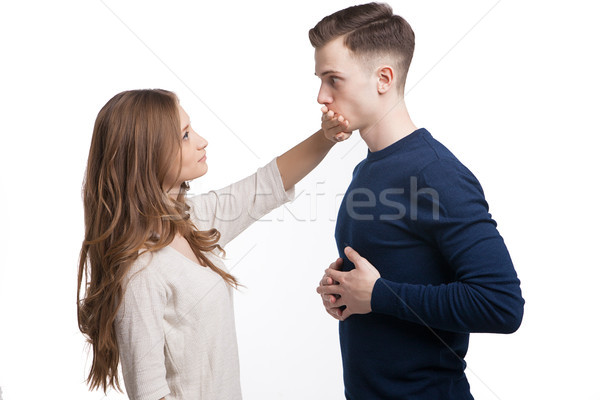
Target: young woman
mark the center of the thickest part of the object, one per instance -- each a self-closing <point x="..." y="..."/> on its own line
<point x="157" y="297"/>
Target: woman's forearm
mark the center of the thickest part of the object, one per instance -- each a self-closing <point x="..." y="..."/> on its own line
<point x="297" y="162"/>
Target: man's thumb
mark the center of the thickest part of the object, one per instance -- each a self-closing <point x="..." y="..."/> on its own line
<point x="352" y="255"/>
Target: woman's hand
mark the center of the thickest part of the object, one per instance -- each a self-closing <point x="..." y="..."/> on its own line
<point x="334" y="126"/>
<point x="297" y="162"/>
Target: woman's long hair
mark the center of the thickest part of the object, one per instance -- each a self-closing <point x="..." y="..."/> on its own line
<point x="135" y="142"/>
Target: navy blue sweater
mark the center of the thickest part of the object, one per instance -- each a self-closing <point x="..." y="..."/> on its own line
<point x="420" y="217"/>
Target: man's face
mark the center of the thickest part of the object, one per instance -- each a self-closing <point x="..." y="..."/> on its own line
<point x="348" y="87"/>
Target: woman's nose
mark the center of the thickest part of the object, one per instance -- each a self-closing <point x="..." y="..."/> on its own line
<point x="200" y="142"/>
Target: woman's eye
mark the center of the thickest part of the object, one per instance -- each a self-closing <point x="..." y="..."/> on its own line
<point x="186" y="136"/>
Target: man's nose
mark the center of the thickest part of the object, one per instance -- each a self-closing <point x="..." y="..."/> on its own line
<point x="324" y="97"/>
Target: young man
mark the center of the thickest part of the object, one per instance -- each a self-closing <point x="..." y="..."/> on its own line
<point x="422" y="264"/>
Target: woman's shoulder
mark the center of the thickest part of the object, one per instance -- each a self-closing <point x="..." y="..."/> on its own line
<point x="147" y="266"/>
<point x="144" y="289"/>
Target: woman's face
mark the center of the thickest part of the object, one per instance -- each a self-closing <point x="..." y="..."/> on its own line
<point x="193" y="155"/>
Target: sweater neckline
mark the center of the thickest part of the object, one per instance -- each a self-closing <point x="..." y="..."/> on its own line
<point x="181" y="255"/>
<point x="399" y="144"/>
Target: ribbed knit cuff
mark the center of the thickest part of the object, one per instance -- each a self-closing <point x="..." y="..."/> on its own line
<point x="151" y="394"/>
<point x="384" y="298"/>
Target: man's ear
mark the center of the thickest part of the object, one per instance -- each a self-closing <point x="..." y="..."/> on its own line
<point x="386" y="77"/>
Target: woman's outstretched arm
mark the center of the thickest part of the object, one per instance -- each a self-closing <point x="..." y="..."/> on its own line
<point x="297" y="162"/>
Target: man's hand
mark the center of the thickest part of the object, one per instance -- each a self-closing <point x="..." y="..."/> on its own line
<point x="352" y="289"/>
<point x="334" y="126"/>
<point x="329" y="300"/>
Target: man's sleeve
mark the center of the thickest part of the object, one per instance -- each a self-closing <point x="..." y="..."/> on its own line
<point x="452" y="216"/>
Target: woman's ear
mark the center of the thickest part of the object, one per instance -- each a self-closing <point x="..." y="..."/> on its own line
<point x="385" y="79"/>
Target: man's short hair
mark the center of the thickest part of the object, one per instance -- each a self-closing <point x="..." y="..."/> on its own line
<point x="370" y="30"/>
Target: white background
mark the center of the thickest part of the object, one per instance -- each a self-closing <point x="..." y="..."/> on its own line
<point x="510" y="86"/>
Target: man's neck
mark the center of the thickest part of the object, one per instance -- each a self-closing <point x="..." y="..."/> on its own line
<point x="389" y="127"/>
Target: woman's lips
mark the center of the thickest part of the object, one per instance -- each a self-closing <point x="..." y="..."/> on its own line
<point x="203" y="159"/>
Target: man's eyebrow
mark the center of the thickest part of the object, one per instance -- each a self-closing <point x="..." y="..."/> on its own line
<point x="329" y="71"/>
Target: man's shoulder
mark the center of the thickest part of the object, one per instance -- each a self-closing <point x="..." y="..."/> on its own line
<point x="437" y="148"/>
<point x="440" y="157"/>
<point x="422" y="151"/>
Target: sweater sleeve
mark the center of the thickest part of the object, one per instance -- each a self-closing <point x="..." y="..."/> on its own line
<point x="234" y="208"/>
<point x="452" y="217"/>
<point x="140" y="336"/>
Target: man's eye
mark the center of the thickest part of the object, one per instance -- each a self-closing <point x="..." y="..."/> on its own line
<point x="333" y="80"/>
